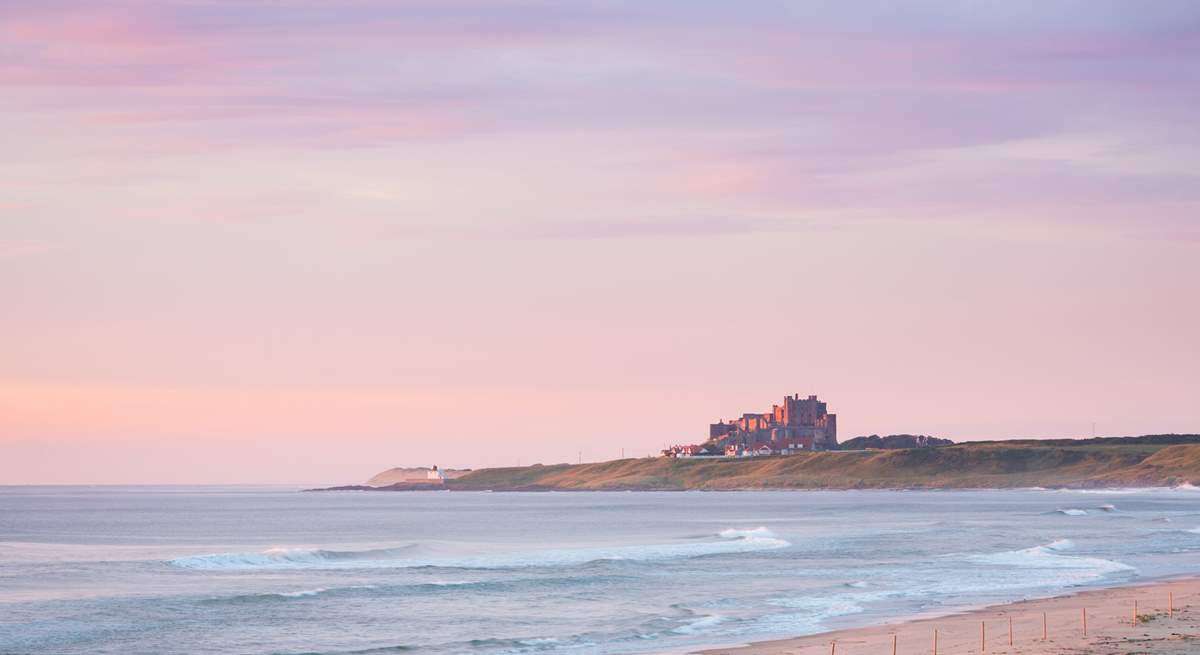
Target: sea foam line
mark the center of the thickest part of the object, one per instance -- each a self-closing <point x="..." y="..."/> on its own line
<point x="728" y="541"/>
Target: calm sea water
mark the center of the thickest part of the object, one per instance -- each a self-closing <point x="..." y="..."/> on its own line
<point x="166" y="570"/>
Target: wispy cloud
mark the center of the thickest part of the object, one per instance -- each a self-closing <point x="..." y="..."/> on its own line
<point x="757" y="109"/>
<point x="666" y="227"/>
<point x="17" y="249"/>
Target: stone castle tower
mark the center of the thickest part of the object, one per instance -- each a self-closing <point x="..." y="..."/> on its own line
<point x="797" y="423"/>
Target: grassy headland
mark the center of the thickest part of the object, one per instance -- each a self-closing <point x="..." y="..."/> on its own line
<point x="1158" y="460"/>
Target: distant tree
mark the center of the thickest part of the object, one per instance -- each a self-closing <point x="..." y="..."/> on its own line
<point x="893" y="441"/>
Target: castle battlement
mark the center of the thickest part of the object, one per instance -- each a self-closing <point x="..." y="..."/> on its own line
<point x="796" y="425"/>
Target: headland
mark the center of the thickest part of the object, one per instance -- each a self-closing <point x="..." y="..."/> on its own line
<point x="1145" y="461"/>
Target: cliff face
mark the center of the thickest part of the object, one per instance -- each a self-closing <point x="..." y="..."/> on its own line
<point x="970" y="465"/>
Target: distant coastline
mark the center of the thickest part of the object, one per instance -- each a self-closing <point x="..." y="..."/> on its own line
<point x="1165" y="460"/>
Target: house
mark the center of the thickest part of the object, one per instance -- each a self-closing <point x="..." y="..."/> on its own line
<point x="415" y="475"/>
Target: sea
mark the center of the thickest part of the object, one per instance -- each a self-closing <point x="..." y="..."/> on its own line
<point x="271" y="570"/>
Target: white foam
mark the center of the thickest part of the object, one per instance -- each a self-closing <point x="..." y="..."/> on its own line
<point x="270" y="558"/>
<point x="730" y="541"/>
<point x="1059" y="545"/>
<point x="302" y="593"/>
<point x="1185" y="487"/>
<point x="539" y="641"/>
<point x="1071" y="511"/>
<point x="1050" y="558"/>
<point x="742" y="533"/>
<point x="813" y="612"/>
<point x="700" y="624"/>
<point x="1193" y="531"/>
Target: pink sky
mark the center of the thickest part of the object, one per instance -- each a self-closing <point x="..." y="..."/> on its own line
<point x="304" y="241"/>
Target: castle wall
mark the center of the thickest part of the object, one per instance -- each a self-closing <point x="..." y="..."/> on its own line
<point x="719" y="430"/>
<point x="796" y="420"/>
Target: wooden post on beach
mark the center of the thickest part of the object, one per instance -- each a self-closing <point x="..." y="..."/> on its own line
<point x="1135" y="612"/>
<point x="1171" y="604"/>
<point x="1010" y="631"/>
<point x="1083" y="611"/>
<point x="1043" y="626"/>
<point x="982" y="637"/>
<point x="893" y="644"/>
<point x="833" y="648"/>
<point x="935" y="641"/>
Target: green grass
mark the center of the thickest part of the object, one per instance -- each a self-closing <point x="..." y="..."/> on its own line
<point x="970" y="465"/>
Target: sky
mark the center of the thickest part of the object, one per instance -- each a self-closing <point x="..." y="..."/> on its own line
<point x="297" y="241"/>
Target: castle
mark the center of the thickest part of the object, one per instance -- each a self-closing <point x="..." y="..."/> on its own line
<point x="799" y="424"/>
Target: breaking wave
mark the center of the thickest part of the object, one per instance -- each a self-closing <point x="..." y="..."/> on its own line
<point x="290" y="558"/>
<point x="746" y="533"/>
<point x="291" y="595"/>
<point x="301" y="594"/>
<point x="807" y="615"/>
<point x="699" y="625"/>
<point x="728" y="541"/>
<point x="1186" y="486"/>
<point x="800" y="615"/>
<point x="1070" y="511"/>
<point x="1053" y="558"/>
<point x="429" y="588"/>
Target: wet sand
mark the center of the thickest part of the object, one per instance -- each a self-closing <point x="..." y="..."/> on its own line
<point x="1111" y="628"/>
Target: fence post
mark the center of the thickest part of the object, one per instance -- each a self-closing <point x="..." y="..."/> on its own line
<point x="935" y="641"/>
<point x="1083" y="611"/>
<point x="1043" y="626"/>
<point x="1171" y="604"/>
<point x="982" y="637"/>
<point x="1135" y="612"/>
<point x="833" y="648"/>
<point x="1010" y="631"/>
<point x="893" y="644"/>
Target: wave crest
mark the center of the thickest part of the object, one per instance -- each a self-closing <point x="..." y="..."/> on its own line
<point x="287" y="558"/>
<point x="1070" y="511"/>
<point x="746" y="533"/>
<point x="729" y="541"/>
<point x="1068" y="568"/>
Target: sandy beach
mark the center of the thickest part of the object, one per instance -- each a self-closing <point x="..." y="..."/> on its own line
<point x="1167" y="622"/>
